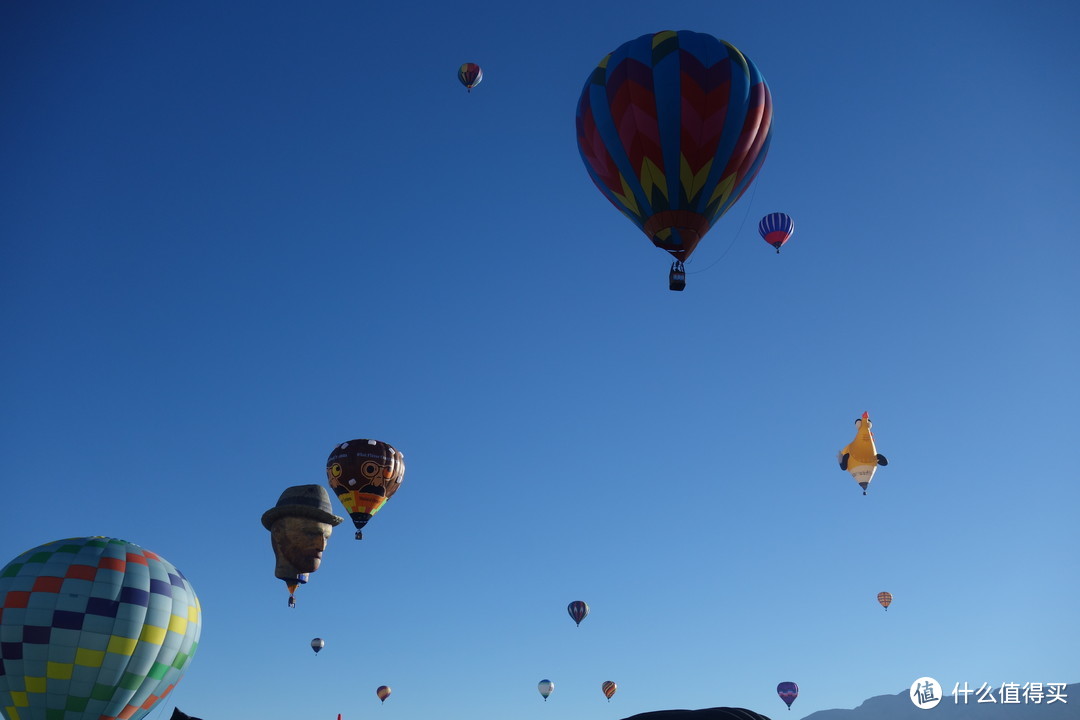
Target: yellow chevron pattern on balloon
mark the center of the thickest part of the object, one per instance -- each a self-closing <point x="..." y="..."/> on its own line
<point x="660" y="37"/>
<point x="692" y="183"/>
<point x="652" y="176"/>
<point x="723" y="190"/>
<point x="739" y="57"/>
<point x="627" y="197"/>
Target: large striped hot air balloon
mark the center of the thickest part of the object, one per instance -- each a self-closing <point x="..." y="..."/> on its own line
<point x="776" y="229"/>
<point x="93" y="628"/>
<point x="885" y="598"/>
<point x="608" y="687"/>
<point x="673" y="127"/>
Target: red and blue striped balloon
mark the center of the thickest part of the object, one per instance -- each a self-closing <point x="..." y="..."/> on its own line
<point x="777" y="228"/>
<point x="673" y="127"/>
<point x="787" y="691"/>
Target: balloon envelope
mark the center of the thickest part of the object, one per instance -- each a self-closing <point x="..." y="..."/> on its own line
<point x="672" y="128"/>
<point x="776" y="229"/>
<point x="608" y="688"/>
<point x="717" y="713"/>
<point x="364" y="474"/>
<point x="470" y="75"/>
<point x="317" y="644"/>
<point x="787" y="691"/>
<point x="545" y="687"/>
<point x="383" y="692"/>
<point x="885" y="599"/>
<point x="93" y="627"/>
<point x="578" y="610"/>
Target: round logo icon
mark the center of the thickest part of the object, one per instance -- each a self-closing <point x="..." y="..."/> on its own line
<point x="925" y="693"/>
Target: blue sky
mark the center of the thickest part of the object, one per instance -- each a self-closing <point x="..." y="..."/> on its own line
<point x="235" y="236"/>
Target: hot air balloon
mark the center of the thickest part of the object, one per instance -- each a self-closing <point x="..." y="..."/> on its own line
<point x="93" y="627"/>
<point x="885" y="599"/>
<point x="364" y="474"/>
<point x="776" y="228"/>
<point x="300" y="526"/>
<point x="383" y="691"/>
<point x="860" y="457"/>
<point x="545" y="687"/>
<point x="318" y="644"/>
<point x="673" y="127"/>
<point x="470" y="75"/>
<point x="578" y="610"/>
<point x="608" y="688"/>
<point x="787" y="691"/>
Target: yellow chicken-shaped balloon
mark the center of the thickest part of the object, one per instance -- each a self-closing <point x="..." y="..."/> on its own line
<point x="860" y="457"/>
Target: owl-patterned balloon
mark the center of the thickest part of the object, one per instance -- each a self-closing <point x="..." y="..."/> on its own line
<point x="364" y="474"/>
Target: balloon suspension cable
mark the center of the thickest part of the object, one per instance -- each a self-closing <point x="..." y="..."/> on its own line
<point x="733" y="237"/>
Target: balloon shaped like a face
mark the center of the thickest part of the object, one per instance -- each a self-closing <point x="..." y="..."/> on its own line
<point x="93" y="627"/>
<point x="673" y="128"/>
<point x="299" y="543"/>
<point x="364" y="474"/>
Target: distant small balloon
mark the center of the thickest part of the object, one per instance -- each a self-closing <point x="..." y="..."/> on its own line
<point x="470" y="75"/>
<point x="608" y="688"/>
<point x="545" y="687"/>
<point x="578" y="610"/>
<point x="787" y="691"/>
<point x="776" y="229"/>
<point x="317" y="644"/>
<point x="885" y="599"/>
<point x="383" y="692"/>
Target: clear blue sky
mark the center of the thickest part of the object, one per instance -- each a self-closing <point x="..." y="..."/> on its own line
<point x="236" y="234"/>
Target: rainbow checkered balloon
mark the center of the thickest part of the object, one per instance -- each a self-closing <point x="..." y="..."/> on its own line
<point x="92" y="628"/>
